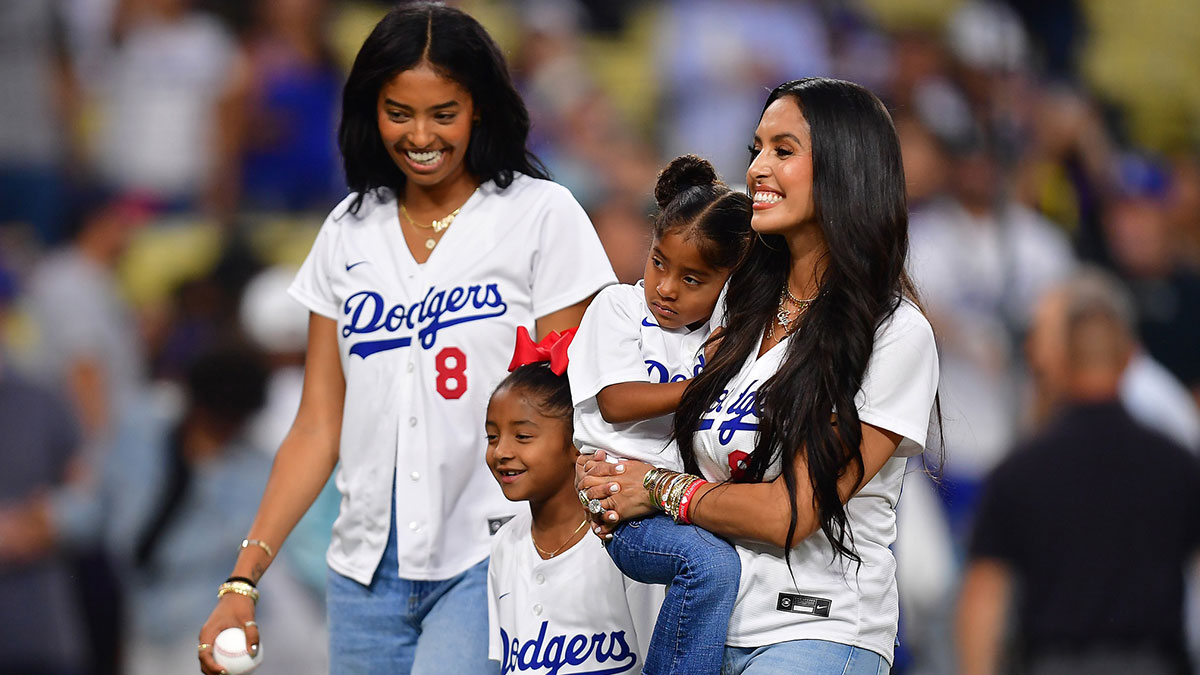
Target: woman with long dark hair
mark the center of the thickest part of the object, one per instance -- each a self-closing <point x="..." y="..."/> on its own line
<point x="450" y="239"/>
<point x="822" y="384"/>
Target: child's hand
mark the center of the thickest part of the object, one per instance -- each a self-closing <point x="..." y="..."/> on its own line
<point x="618" y="488"/>
<point x="714" y="341"/>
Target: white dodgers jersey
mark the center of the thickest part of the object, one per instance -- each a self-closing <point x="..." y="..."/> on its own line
<point x="815" y="598"/>
<point x="574" y="614"/>
<point x="619" y="341"/>
<point x="422" y="346"/>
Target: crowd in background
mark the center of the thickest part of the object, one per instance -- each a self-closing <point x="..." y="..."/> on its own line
<point x="164" y="166"/>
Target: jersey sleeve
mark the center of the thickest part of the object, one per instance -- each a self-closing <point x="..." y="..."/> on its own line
<point x="607" y="347"/>
<point x="644" y="602"/>
<point x="901" y="379"/>
<point x="312" y="286"/>
<point x="495" y="648"/>
<point x="569" y="264"/>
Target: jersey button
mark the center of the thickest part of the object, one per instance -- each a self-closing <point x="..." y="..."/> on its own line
<point x="416" y="475"/>
<point x="537" y="610"/>
<point x="414" y="526"/>
<point x="412" y="421"/>
<point x="540" y="579"/>
<point x="410" y="367"/>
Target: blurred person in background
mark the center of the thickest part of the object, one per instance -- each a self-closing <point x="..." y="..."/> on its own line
<point x="1149" y="254"/>
<point x="283" y="117"/>
<point x="178" y="480"/>
<point x="88" y="346"/>
<point x="1149" y="392"/>
<point x="87" y="338"/>
<point x="717" y="58"/>
<point x="1066" y="170"/>
<point x="1087" y="528"/>
<point x="41" y="627"/>
<point x="981" y="260"/>
<point x="39" y="108"/>
<point x="586" y="143"/>
<point x="1184" y="205"/>
<point x="164" y="104"/>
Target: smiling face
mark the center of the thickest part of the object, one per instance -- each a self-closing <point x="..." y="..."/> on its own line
<point x="425" y="122"/>
<point x="681" y="288"/>
<point x="530" y="454"/>
<point x="781" y="171"/>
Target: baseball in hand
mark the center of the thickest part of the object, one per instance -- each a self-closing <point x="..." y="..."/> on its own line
<point x="229" y="650"/>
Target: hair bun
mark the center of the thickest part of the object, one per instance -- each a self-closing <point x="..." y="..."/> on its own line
<point x="683" y="172"/>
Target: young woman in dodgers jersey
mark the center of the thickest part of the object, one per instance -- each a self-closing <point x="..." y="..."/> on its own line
<point x="822" y="384"/>
<point x="557" y="604"/>
<point x="635" y="351"/>
<point x="450" y="240"/>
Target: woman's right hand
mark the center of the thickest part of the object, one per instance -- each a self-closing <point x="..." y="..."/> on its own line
<point x="232" y="611"/>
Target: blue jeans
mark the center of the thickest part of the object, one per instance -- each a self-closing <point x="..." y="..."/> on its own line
<point x="402" y="626"/>
<point x="804" y="657"/>
<point x="702" y="571"/>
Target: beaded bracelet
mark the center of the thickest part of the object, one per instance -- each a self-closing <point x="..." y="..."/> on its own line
<point x="239" y="587"/>
<point x="245" y="580"/>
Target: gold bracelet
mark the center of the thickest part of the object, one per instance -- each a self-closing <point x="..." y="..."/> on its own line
<point x="239" y="587"/>
<point x="650" y="477"/>
<point x="259" y="543"/>
<point x="657" y="489"/>
<point x="676" y="495"/>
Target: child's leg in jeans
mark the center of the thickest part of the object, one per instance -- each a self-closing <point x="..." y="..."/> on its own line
<point x="702" y="571"/>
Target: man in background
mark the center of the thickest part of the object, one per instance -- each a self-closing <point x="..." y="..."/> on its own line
<point x="1088" y="526"/>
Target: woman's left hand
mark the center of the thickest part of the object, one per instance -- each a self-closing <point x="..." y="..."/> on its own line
<point x="617" y="486"/>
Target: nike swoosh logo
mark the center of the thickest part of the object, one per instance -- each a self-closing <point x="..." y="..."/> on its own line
<point x="360" y="262"/>
<point x="646" y="322"/>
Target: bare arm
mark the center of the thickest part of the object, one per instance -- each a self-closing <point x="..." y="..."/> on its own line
<point x="633" y="401"/>
<point x="754" y="511"/>
<point x="564" y="319"/>
<point x="302" y="466"/>
<point x="85" y="383"/>
<point x="982" y="613"/>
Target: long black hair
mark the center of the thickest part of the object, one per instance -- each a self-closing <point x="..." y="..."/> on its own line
<point x="859" y="201"/>
<point x="697" y="204"/>
<point x="458" y="48"/>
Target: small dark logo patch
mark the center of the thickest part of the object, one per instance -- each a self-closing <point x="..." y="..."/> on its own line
<point x="803" y="604"/>
<point x="494" y="524"/>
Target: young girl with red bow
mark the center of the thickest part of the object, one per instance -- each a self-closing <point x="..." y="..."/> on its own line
<point x="555" y="598"/>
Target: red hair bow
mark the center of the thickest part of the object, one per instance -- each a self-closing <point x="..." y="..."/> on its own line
<point x="552" y="348"/>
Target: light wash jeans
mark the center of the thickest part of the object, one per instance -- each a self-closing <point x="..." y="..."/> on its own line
<point x="404" y="626"/>
<point x="702" y="571"/>
<point x="804" y="657"/>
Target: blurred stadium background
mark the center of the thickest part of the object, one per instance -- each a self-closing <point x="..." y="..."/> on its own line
<point x="165" y="165"/>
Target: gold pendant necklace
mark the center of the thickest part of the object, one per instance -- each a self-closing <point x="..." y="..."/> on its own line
<point x="783" y="316"/>
<point x="438" y="225"/>
<point x="556" y="551"/>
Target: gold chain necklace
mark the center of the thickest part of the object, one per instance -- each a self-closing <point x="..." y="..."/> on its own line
<point x="556" y="551"/>
<point x="438" y="225"/>
<point x="782" y="316"/>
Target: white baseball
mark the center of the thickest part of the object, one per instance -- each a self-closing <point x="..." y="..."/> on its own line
<point x="229" y="651"/>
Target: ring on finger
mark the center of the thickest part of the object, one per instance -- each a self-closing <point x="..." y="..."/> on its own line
<point x="595" y="506"/>
<point x="583" y="498"/>
<point x="203" y="646"/>
<point x="251" y="623"/>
